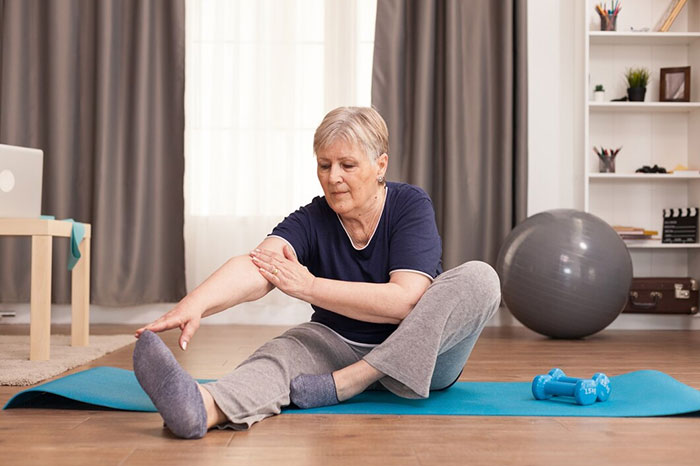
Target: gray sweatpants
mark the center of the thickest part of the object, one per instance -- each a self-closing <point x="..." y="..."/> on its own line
<point x="426" y="352"/>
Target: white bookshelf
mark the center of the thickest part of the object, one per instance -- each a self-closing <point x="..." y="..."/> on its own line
<point x="650" y="132"/>
<point x="642" y="176"/>
<point x="657" y="244"/>
<point x="642" y="38"/>
<point x="643" y="107"/>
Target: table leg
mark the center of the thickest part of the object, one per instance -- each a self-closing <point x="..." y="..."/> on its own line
<point x="80" y="297"/>
<point x="40" y="313"/>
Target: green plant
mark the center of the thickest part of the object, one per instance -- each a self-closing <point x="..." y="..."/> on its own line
<point x="637" y="77"/>
<point x="599" y="88"/>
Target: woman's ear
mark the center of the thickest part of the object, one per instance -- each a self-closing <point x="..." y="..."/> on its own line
<point x="382" y="164"/>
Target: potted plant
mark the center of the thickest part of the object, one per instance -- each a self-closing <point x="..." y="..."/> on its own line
<point x="637" y="80"/>
<point x="599" y="93"/>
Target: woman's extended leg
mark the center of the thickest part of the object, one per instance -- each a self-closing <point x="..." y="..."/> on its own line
<point x="256" y="389"/>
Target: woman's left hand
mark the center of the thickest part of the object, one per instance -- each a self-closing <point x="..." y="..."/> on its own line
<point x="285" y="272"/>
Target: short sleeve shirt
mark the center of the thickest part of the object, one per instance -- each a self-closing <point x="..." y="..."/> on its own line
<point x="406" y="239"/>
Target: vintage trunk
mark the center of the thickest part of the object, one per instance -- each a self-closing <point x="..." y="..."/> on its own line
<point x="663" y="295"/>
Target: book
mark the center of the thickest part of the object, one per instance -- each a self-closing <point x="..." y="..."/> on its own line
<point x="686" y="172"/>
<point x="635" y="233"/>
<point x="622" y="230"/>
<point x="638" y="237"/>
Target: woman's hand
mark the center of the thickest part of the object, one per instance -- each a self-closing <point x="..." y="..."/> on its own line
<point x="284" y="271"/>
<point x="181" y="316"/>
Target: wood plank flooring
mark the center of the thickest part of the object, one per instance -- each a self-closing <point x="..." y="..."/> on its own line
<point x="77" y="437"/>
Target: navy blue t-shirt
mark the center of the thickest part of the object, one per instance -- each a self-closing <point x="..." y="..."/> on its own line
<point x="406" y="238"/>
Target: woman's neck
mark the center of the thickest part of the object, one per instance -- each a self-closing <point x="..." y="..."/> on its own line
<point x="360" y="227"/>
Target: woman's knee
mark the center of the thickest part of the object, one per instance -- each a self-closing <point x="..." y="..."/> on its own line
<point x="479" y="277"/>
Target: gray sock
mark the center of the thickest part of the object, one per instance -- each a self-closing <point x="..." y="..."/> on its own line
<point x="312" y="391"/>
<point x="173" y="391"/>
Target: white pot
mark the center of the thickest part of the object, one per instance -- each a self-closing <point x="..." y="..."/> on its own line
<point x="599" y="96"/>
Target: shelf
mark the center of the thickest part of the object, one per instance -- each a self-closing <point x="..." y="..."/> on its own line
<point x="637" y="107"/>
<point x="643" y="38"/>
<point x="641" y="176"/>
<point x="665" y="133"/>
<point x="657" y="244"/>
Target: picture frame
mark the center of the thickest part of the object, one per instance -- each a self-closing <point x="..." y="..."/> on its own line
<point x="674" y="84"/>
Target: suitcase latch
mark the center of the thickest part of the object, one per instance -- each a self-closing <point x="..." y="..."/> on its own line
<point x="680" y="292"/>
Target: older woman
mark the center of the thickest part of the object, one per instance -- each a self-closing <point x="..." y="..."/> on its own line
<point x="366" y="256"/>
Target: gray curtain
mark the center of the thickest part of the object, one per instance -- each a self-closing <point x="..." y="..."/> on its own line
<point x="450" y="79"/>
<point x="99" y="87"/>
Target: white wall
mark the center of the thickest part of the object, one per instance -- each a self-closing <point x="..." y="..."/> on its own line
<point x="555" y="103"/>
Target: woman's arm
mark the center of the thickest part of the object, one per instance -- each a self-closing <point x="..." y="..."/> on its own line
<point x="235" y="282"/>
<point x="386" y="303"/>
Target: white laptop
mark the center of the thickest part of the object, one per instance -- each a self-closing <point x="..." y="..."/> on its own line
<point x="20" y="181"/>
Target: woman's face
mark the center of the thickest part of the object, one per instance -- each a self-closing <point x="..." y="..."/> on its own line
<point x="348" y="178"/>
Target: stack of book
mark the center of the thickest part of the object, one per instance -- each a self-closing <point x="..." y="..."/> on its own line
<point x="680" y="225"/>
<point x="683" y="170"/>
<point x="635" y="233"/>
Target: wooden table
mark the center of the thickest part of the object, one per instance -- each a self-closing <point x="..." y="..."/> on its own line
<point x="42" y="233"/>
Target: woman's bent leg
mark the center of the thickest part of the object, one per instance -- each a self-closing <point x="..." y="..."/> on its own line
<point x="432" y="344"/>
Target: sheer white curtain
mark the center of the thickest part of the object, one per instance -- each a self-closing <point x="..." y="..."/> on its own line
<point x="260" y="76"/>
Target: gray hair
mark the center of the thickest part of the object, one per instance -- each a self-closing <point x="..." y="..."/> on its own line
<point x="362" y="127"/>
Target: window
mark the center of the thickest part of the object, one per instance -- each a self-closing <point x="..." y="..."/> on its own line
<point x="260" y="77"/>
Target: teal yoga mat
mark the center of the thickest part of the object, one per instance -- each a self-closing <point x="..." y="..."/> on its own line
<point x="636" y="394"/>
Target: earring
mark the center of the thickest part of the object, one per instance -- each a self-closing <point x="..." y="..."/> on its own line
<point x="380" y="179"/>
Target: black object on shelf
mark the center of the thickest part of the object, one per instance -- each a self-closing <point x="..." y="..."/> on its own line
<point x="680" y="226"/>
<point x="648" y="169"/>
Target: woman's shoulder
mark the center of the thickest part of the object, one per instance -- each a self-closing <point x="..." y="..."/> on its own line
<point x="319" y="203"/>
<point x="404" y="192"/>
<point x="317" y="208"/>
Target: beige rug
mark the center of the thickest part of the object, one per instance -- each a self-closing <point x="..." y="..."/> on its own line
<point x="16" y="368"/>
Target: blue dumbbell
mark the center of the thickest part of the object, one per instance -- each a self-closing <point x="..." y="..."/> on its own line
<point x="602" y="382"/>
<point x="583" y="391"/>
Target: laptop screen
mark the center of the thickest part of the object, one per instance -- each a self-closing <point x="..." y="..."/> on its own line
<point x="20" y="181"/>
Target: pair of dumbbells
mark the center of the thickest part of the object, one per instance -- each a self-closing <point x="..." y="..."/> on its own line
<point x="584" y="391"/>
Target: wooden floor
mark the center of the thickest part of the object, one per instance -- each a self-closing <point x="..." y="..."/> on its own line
<point x="75" y="437"/>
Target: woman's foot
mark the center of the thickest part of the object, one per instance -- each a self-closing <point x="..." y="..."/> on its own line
<point x="174" y="392"/>
<point x="312" y="391"/>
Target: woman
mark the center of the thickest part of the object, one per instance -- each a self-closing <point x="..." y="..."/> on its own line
<point x="366" y="256"/>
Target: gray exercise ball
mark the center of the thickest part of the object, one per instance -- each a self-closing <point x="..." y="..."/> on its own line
<point x="564" y="273"/>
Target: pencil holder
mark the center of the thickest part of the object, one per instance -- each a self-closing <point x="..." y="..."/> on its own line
<point x="608" y="23"/>
<point x="606" y="165"/>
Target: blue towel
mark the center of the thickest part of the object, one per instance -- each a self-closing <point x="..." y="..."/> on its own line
<point x="636" y="394"/>
<point x="76" y="236"/>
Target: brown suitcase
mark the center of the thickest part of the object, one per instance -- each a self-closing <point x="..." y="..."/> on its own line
<point x="663" y="295"/>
